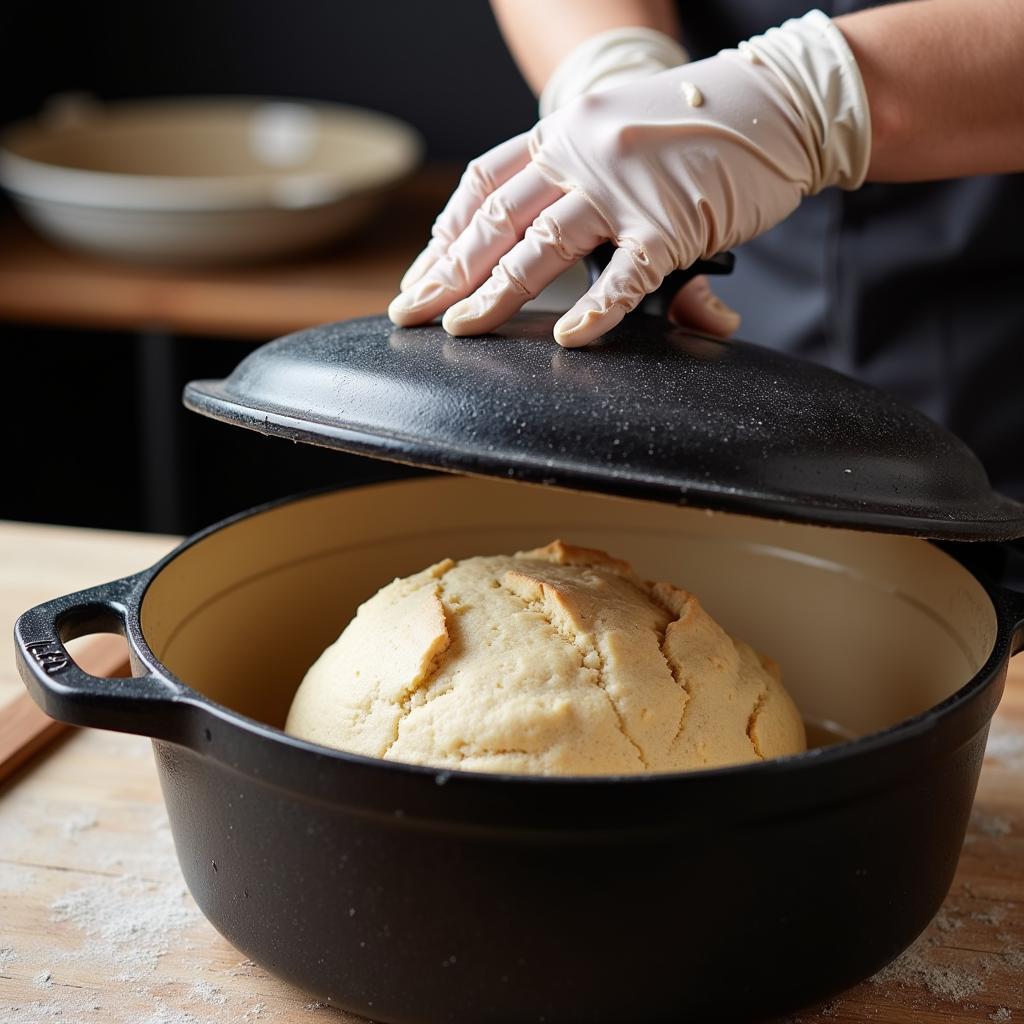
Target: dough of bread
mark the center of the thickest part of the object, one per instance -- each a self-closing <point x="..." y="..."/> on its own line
<point x="558" y="661"/>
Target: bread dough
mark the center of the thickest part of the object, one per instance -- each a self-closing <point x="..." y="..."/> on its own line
<point x="558" y="661"/>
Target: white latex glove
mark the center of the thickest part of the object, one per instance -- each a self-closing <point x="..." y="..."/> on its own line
<point x="603" y="61"/>
<point x="614" y="58"/>
<point x="683" y="164"/>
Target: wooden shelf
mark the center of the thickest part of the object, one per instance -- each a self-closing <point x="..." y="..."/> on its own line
<point x="42" y="284"/>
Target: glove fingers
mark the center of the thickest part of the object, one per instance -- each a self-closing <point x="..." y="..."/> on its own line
<point x="615" y="293"/>
<point x="480" y="178"/>
<point x="500" y="224"/>
<point x="562" y="234"/>
<point x="493" y="230"/>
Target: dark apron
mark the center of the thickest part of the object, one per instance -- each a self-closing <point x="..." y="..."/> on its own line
<point x="916" y="288"/>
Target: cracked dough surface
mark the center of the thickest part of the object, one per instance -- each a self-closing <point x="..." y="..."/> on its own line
<point x="557" y="661"/>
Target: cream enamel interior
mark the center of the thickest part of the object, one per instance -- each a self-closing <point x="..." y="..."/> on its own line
<point x="869" y="629"/>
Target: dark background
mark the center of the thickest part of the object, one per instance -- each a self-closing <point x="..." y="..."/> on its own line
<point x="439" y="64"/>
<point x="76" y="446"/>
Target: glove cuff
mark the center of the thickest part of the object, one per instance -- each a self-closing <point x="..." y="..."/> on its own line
<point x="608" y="59"/>
<point x="815" y="62"/>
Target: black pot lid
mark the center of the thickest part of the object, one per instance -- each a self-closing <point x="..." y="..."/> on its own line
<point x="652" y="412"/>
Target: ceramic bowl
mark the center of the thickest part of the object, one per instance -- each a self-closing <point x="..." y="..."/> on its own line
<point x="202" y="180"/>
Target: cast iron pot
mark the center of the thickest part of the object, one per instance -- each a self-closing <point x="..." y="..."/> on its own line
<point x="409" y="894"/>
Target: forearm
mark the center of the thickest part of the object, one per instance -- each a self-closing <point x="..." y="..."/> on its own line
<point x="945" y="84"/>
<point x="539" y="33"/>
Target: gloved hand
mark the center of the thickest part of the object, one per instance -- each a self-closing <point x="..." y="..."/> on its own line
<point x="682" y="164"/>
<point x="614" y="58"/>
<point x="600" y="62"/>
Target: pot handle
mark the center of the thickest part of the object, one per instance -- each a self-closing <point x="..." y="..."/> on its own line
<point x="151" y="704"/>
<point x="1013" y="601"/>
<point x="658" y="302"/>
<point x="1010" y="588"/>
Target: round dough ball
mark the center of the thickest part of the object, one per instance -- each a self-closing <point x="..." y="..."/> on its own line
<point x="558" y="661"/>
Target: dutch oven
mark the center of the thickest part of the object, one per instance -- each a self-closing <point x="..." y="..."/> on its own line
<point x="846" y="535"/>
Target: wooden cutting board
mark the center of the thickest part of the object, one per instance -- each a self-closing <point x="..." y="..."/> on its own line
<point x="96" y="926"/>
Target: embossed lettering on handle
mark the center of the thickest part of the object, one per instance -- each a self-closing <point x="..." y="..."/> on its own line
<point x="49" y="654"/>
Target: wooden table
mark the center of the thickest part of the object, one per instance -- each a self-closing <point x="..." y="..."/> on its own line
<point x="96" y="926"/>
<point x="42" y="284"/>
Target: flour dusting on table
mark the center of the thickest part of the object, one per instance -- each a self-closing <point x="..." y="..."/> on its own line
<point x="167" y="1015"/>
<point x="132" y="920"/>
<point x="79" y="822"/>
<point x="1006" y="746"/>
<point x="207" y="993"/>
